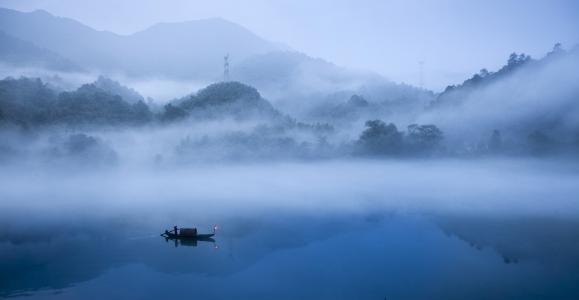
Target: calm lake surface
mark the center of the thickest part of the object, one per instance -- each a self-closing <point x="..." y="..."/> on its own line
<point x="360" y="245"/>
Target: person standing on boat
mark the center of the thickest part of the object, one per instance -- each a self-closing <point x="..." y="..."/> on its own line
<point x="175" y="229"/>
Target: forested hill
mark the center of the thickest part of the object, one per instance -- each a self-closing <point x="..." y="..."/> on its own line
<point x="30" y="102"/>
<point x="232" y="99"/>
<point x="534" y="100"/>
<point x="516" y="64"/>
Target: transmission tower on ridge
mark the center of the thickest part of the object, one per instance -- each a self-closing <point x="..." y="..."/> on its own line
<point x="421" y="75"/>
<point x="226" y="67"/>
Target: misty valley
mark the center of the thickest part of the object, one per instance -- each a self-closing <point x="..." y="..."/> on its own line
<point x="319" y="181"/>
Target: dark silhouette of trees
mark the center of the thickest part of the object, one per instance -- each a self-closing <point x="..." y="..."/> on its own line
<point x="26" y="101"/>
<point x="108" y="85"/>
<point x="173" y="113"/>
<point x="92" y="105"/>
<point x="484" y="73"/>
<point x="380" y="138"/>
<point x="224" y="99"/>
<point x="87" y="149"/>
<point x="558" y="47"/>
<point x="540" y="143"/>
<point x="78" y="143"/>
<point x="455" y="94"/>
<point x="496" y="141"/>
<point x="29" y="102"/>
<point x="424" y="138"/>
<point x="517" y="59"/>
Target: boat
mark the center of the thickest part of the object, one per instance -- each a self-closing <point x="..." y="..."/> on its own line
<point x="188" y="233"/>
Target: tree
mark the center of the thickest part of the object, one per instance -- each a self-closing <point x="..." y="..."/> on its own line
<point x="380" y="138"/>
<point x="496" y="141"/>
<point x="26" y="100"/>
<point x="141" y="112"/>
<point x="540" y="143"/>
<point x="92" y="105"/>
<point x="87" y="149"/>
<point x="173" y="113"/>
<point x="484" y="73"/>
<point x="79" y="143"/>
<point x="424" y="137"/>
<point x="517" y="59"/>
<point x="557" y="51"/>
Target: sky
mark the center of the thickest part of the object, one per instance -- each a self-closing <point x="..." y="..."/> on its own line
<point x="453" y="38"/>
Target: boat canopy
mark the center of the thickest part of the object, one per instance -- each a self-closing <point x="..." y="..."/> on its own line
<point x="188" y="231"/>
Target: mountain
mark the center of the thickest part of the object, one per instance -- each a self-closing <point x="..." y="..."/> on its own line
<point x="293" y="70"/>
<point x="222" y="100"/>
<point x="454" y="94"/>
<point x="18" y="53"/>
<point x="193" y="51"/>
<point x="194" y="47"/>
<point x="113" y="87"/>
<point x="67" y="37"/>
<point x="526" y="99"/>
<point x="190" y="50"/>
<point x="309" y="87"/>
<point x="517" y="64"/>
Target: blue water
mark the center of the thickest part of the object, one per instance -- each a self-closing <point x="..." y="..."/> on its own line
<point x="383" y="255"/>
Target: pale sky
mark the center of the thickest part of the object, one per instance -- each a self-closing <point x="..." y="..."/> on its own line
<point x="455" y="38"/>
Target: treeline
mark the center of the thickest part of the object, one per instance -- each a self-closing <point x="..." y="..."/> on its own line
<point x="533" y="142"/>
<point x="517" y="62"/>
<point x="380" y="138"/>
<point x="385" y="139"/>
<point x="30" y="102"/>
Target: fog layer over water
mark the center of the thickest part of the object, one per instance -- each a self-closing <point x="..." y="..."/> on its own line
<point x="371" y="224"/>
<point x="491" y="186"/>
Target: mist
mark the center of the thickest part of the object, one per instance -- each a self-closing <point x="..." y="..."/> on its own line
<point x="290" y="155"/>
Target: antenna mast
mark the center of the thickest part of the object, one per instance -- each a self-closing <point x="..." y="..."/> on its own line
<point x="226" y="67"/>
<point x="421" y="76"/>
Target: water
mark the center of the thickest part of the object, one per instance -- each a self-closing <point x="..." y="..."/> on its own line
<point x="366" y="247"/>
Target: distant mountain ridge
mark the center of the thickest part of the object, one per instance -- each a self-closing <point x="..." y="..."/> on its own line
<point x="18" y="53"/>
<point x="193" y="51"/>
<point x="190" y="49"/>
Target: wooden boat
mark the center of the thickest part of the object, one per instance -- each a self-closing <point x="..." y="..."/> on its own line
<point x="188" y="233"/>
<point x="180" y="236"/>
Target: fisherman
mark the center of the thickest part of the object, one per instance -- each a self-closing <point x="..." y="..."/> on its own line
<point x="176" y="230"/>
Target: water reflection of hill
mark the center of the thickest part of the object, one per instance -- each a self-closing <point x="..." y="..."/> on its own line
<point x="362" y="256"/>
<point x="58" y="257"/>
<point x="551" y="241"/>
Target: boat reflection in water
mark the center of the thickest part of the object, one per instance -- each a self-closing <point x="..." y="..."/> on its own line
<point x="190" y="242"/>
